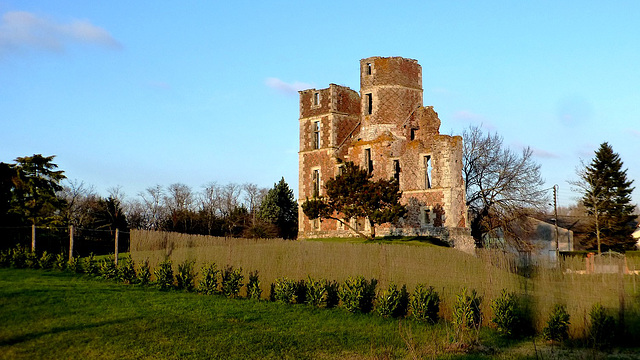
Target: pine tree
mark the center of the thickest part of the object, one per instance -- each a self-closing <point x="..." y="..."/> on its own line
<point x="37" y="183"/>
<point x="607" y="197"/>
<point x="280" y="209"/>
<point x="353" y="194"/>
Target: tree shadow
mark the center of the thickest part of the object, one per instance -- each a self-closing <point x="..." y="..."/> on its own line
<point x="60" y="329"/>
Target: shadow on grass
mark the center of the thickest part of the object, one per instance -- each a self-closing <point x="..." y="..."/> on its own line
<point x="60" y="329"/>
<point x="423" y="240"/>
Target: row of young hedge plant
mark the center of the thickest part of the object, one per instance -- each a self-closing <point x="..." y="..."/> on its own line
<point x="356" y="294"/>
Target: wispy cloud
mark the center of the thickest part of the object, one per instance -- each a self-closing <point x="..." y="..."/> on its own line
<point x="537" y="152"/>
<point x="540" y="153"/>
<point x="635" y="132"/>
<point x="473" y="118"/>
<point x="286" y="88"/>
<point x="21" y="30"/>
<point x="586" y="151"/>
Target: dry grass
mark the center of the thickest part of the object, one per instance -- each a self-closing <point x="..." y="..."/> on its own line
<point x="446" y="269"/>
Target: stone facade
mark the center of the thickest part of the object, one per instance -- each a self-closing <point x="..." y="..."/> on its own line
<point x="387" y="130"/>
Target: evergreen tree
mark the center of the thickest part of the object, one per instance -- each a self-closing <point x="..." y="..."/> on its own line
<point x="607" y="197"/>
<point x="353" y="194"/>
<point x="280" y="209"/>
<point x="37" y="183"/>
<point x="7" y="176"/>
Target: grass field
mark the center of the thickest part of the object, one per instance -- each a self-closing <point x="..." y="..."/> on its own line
<point x="55" y="315"/>
<point x="59" y="315"/>
<point x="409" y="262"/>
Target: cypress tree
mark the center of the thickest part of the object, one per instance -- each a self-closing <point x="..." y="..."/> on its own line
<point x="607" y="197"/>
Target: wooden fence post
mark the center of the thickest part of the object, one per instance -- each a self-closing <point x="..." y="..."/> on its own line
<point x="116" y="253"/>
<point x="70" y="242"/>
<point x="33" y="238"/>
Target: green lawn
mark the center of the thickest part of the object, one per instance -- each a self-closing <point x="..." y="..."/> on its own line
<point x="57" y="315"/>
<point x="54" y="315"/>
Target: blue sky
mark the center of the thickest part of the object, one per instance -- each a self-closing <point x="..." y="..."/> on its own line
<point x="132" y="95"/>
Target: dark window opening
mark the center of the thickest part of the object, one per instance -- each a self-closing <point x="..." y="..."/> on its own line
<point x="427" y="171"/>
<point x="369" y="104"/>
<point x="368" y="162"/>
<point x="316" y="134"/>
<point x="316" y="99"/>
<point x="340" y="169"/>
<point x="396" y="170"/>
<point x="368" y="68"/>
<point x="413" y="134"/>
<point x="316" y="183"/>
<point x="427" y="214"/>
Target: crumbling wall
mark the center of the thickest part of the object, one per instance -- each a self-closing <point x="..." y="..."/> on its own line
<point x="397" y="130"/>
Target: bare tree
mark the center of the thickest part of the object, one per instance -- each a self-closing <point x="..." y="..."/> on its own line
<point x="152" y="199"/>
<point x="210" y="199"/>
<point x="79" y="199"/>
<point x="179" y="204"/>
<point x="229" y="198"/>
<point x="253" y="196"/>
<point x="501" y="185"/>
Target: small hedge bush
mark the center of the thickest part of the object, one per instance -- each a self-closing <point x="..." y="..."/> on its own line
<point x="425" y="304"/>
<point x="357" y="294"/>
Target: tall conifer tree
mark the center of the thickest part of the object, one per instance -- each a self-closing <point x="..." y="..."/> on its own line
<point x="607" y="197"/>
<point x="280" y="208"/>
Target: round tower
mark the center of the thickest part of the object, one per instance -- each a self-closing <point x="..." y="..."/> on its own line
<point x="390" y="90"/>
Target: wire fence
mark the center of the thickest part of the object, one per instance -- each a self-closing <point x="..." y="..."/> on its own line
<point x="75" y="241"/>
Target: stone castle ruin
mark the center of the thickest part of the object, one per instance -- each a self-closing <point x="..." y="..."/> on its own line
<point x="386" y="130"/>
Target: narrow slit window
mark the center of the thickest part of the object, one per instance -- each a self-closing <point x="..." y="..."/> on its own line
<point x="413" y="134"/>
<point x="427" y="216"/>
<point x="368" y="68"/>
<point x="316" y="99"/>
<point x="396" y="170"/>
<point x="368" y="162"/>
<point x="369" y="103"/>
<point x="316" y="183"/>
<point x="316" y="134"/>
<point x="427" y="171"/>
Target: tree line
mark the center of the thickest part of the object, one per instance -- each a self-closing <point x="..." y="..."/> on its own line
<point x="503" y="187"/>
<point x="33" y="191"/>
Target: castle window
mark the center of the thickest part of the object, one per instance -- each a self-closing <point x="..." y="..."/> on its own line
<point x="426" y="163"/>
<point x="368" y="68"/>
<point x="368" y="162"/>
<point x="340" y="169"/>
<point x="316" y="99"/>
<point x="413" y="134"/>
<point x="396" y="170"/>
<point x="316" y="135"/>
<point x="369" y="103"/>
<point x="425" y="216"/>
<point x="316" y="182"/>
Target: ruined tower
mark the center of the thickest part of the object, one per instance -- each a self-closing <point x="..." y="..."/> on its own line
<point x="387" y="131"/>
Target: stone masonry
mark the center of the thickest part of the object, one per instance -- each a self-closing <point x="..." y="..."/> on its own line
<point x="387" y="130"/>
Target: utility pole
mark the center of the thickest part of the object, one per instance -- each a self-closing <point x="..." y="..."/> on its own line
<point x="555" y="210"/>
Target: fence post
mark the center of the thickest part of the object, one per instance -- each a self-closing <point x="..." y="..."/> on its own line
<point x="70" y="242"/>
<point x="33" y="238"/>
<point x="116" y="253"/>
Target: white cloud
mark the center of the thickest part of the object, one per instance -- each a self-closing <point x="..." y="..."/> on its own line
<point x="634" y="132"/>
<point x="472" y="118"/>
<point x="24" y="30"/>
<point x="286" y="88"/>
